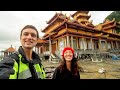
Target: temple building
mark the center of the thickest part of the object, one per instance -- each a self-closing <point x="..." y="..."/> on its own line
<point x="78" y="32"/>
<point x="9" y="51"/>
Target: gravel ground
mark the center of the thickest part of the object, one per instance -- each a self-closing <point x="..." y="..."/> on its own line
<point x="90" y="69"/>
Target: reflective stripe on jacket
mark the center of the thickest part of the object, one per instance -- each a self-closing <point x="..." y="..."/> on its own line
<point x="24" y="72"/>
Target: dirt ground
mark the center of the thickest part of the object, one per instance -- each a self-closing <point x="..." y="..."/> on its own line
<point x="112" y="69"/>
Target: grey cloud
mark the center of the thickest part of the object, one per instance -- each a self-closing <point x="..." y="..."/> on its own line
<point x="11" y="22"/>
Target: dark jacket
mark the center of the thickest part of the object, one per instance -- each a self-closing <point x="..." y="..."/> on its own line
<point x="11" y="66"/>
<point x="65" y="74"/>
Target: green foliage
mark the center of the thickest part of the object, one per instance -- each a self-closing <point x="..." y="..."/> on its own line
<point x="115" y="14"/>
<point x="1" y="57"/>
<point x="118" y="30"/>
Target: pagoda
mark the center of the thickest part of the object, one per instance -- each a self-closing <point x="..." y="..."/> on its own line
<point x="78" y="32"/>
<point x="9" y="51"/>
<point x="83" y="18"/>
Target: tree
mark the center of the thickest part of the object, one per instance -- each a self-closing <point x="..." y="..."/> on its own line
<point x="116" y="15"/>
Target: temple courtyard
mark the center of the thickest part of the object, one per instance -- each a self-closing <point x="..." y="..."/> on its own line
<point x="107" y="69"/>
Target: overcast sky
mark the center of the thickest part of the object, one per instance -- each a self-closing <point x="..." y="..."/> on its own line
<point x="11" y="23"/>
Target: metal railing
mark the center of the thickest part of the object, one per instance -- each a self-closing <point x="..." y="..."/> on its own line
<point x="90" y="54"/>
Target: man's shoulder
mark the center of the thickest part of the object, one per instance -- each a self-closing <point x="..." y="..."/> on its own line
<point x="7" y="59"/>
<point x="14" y="56"/>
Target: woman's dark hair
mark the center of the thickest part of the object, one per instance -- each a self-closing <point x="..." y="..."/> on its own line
<point x="29" y="26"/>
<point x="74" y="66"/>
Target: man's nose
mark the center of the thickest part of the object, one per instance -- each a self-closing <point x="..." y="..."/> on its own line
<point x="29" y="36"/>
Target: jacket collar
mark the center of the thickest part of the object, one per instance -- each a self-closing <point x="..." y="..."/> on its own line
<point x="36" y="58"/>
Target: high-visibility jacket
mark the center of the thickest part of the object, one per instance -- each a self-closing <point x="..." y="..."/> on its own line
<point x="17" y="67"/>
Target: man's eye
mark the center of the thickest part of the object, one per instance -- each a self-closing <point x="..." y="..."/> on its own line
<point x="25" y="34"/>
<point x="33" y="35"/>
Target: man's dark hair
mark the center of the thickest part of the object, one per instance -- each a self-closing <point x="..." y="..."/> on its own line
<point x="30" y="26"/>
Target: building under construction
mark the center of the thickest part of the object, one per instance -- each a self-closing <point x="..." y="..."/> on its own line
<point x="79" y="33"/>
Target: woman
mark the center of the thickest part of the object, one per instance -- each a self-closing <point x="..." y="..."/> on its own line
<point x="68" y="68"/>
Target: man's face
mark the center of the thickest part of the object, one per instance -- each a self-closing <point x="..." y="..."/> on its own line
<point x="29" y="38"/>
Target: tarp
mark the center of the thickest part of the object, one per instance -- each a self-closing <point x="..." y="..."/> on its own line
<point x="115" y="57"/>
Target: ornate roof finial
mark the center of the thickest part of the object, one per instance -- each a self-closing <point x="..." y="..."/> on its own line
<point x="91" y="21"/>
<point x="113" y="19"/>
<point x="65" y="14"/>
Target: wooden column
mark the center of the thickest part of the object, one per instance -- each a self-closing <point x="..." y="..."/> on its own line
<point x="77" y="41"/>
<point x="92" y="44"/>
<point x="112" y="44"/>
<point x="65" y="41"/>
<point x="35" y="49"/>
<point x="40" y="50"/>
<point x="68" y="43"/>
<point x="83" y="43"/>
<point x="117" y="45"/>
<point x="56" y="45"/>
<point x="72" y="41"/>
<point x="50" y="48"/>
<point x="106" y="44"/>
<point x="100" y="44"/>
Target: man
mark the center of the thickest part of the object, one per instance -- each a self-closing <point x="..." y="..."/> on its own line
<point x="24" y="64"/>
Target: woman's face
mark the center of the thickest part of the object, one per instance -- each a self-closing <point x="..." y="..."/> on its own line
<point x="68" y="55"/>
<point x="29" y="38"/>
